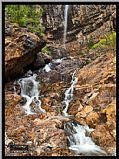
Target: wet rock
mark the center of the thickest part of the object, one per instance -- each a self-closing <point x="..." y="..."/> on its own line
<point x="47" y="58"/>
<point x="20" y="52"/>
<point x="49" y="77"/>
<point x="87" y="20"/>
<point x="67" y="67"/>
<point x="58" y="52"/>
<point x="92" y="119"/>
<point x="101" y="135"/>
<point x="40" y="60"/>
<point x="96" y="90"/>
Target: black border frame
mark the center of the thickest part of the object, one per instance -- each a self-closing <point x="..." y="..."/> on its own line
<point x="3" y="72"/>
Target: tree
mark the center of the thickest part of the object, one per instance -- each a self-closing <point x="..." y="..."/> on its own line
<point x="28" y="16"/>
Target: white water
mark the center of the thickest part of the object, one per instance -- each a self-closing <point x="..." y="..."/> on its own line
<point x="29" y="90"/>
<point x="47" y="67"/>
<point x="65" y="23"/>
<point x="80" y="142"/>
<point x="78" y="135"/>
<point x="14" y="88"/>
<point x="69" y="94"/>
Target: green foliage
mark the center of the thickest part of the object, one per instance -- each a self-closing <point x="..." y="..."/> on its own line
<point x="26" y="16"/>
<point x="108" y="40"/>
<point x="113" y="39"/>
<point x="101" y="43"/>
<point x="90" y="43"/>
<point x="46" y="50"/>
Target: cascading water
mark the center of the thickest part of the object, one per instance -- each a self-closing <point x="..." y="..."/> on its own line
<point x="78" y="135"/>
<point x="29" y="90"/>
<point x="48" y="66"/>
<point x="80" y="142"/>
<point x="78" y="139"/>
<point x="14" y="88"/>
<point x="65" y="23"/>
<point x="69" y="94"/>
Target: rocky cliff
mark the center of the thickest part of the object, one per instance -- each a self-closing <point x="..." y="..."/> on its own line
<point x="80" y="17"/>
<point x="20" y="50"/>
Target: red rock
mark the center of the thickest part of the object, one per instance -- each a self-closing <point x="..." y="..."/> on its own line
<point x="102" y="137"/>
<point x="20" y="51"/>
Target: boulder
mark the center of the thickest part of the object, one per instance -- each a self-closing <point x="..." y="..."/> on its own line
<point x="20" y="49"/>
<point x="102" y="137"/>
<point x="40" y="60"/>
<point x="96" y="92"/>
<point x="58" y="52"/>
<point x="49" y="77"/>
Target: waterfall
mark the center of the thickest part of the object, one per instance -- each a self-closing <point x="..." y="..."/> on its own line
<point x="48" y="66"/>
<point x="65" y="23"/>
<point x="14" y="88"/>
<point x="78" y="135"/>
<point x="69" y="93"/>
<point x="29" y="90"/>
<point x="80" y="140"/>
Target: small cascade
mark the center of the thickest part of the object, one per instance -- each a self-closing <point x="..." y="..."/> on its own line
<point x="78" y="135"/>
<point x="65" y="23"/>
<point x="48" y="66"/>
<point x="69" y="93"/>
<point x="14" y="88"/>
<point x="29" y="90"/>
<point x="80" y="141"/>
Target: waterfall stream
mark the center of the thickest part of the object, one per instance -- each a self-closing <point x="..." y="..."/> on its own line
<point x="69" y="94"/>
<point x="30" y="91"/>
<point x="48" y="66"/>
<point x="65" y="23"/>
<point x="80" y="141"/>
<point x="78" y="135"/>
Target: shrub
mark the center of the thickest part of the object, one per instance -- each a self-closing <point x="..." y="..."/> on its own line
<point x="108" y="40"/>
<point x="26" y="16"/>
<point x="46" y="50"/>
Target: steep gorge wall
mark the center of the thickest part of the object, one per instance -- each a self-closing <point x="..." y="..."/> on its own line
<point x="80" y="17"/>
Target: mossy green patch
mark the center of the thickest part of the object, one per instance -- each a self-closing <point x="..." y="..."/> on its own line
<point x="108" y="40"/>
<point x="46" y="50"/>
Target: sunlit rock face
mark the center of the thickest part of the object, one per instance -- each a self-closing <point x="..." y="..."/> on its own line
<point x="80" y="17"/>
<point x="94" y="103"/>
<point x="20" y="49"/>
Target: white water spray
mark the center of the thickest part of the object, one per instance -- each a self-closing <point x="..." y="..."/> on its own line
<point x="29" y="90"/>
<point x="80" y="142"/>
<point x="65" y="23"/>
<point x="48" y="66"/>
<point x="78" y="135"/>
<point x="14" y="88"/>
<point x="69" y="94"/>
